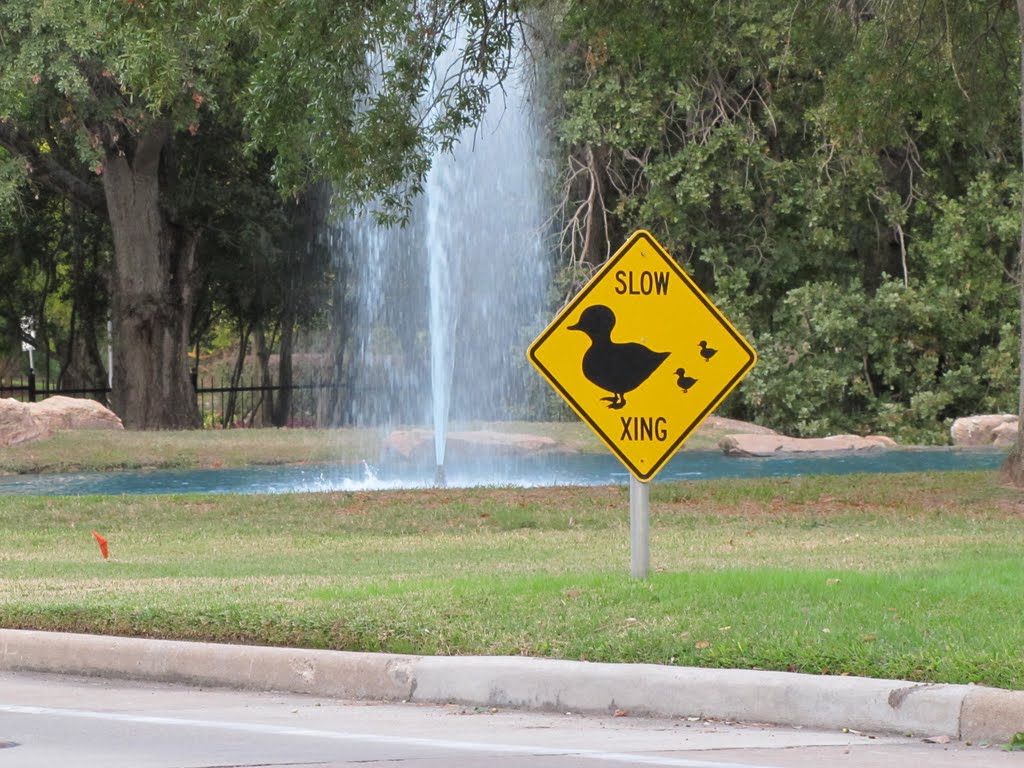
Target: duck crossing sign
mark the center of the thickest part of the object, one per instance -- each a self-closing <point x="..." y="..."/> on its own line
<point x="642" y="355"/>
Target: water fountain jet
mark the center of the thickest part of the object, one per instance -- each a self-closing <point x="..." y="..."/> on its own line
<point x="451" y="347"/>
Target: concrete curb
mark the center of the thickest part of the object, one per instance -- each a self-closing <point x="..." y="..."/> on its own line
<point x="964" y="712"/>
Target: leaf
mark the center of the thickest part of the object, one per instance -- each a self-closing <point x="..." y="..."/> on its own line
<point x="1016" y="743"/>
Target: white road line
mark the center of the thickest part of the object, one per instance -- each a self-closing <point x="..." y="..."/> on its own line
<point x="407" y="741"/>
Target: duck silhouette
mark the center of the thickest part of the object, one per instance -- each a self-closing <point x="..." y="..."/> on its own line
<point x="707" y="352"/>
<point x="684" y="381"/>
<point x="616" y="368"/>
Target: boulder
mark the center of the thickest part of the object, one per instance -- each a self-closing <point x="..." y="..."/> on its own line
<point x="59" y="412"/>
<point x="773" y="445"/>
<point x="418" y="444"/>
<point x="722" y="424"/>
<point x="26" y="422"/>
<point x="17" y="424"/>
<point x="993" y="429"/>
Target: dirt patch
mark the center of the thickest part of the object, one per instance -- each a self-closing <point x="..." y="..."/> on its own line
<point x="1013" y="508"/>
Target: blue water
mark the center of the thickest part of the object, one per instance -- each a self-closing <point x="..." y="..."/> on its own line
<point x="589" y="469"/>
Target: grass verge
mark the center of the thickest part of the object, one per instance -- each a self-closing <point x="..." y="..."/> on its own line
<point x="904" y="576"/>
<point x="104" y="451"/>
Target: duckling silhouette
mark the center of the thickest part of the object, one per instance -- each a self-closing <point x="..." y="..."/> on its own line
<point x="616" y="368"/>
<point x="707" y="352"/>
<point x="684" y="381"/>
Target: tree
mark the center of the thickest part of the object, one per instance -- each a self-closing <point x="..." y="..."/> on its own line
<point x="841" y="178"/>
<point x="54" y="258"/>
<point x="108" y="103"/>
<point x="1013" y="467"/>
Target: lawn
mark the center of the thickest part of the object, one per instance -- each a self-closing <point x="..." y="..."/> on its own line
<point x="914" y="576"/>
<point x="116" y="450"/>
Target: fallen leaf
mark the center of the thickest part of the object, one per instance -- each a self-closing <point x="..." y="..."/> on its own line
<point x="620" y="713"/>
<point x="936" y="740"/>
<point x="702" y="644"/>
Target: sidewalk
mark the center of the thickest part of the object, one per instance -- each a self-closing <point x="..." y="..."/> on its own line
<point x="966" y="712"/>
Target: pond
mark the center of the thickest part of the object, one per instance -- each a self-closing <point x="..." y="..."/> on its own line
<point x="576" y="469"/>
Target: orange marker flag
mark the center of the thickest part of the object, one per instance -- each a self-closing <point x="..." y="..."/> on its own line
<point x="103" y="545"/>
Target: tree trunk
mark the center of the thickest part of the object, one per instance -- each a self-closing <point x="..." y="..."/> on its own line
<point x="263" y="413"/>
<point x="283" y="403"/>
<point x="82" y="363"/>
<point x="244" y="331"/>
<point x="1013" y="467"/>
<point x="151" y="292"/>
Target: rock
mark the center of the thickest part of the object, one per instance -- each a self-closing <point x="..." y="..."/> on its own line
<point x="418" y="444"/>
<point x="722" y="424"/>
<point x="407" y="443"/>
<point x="17" y="424"/>
<point x="1005" y="435"/>
<point x="59" y="412"/>
<point x="772" y="445"/>
<point x="995" y="429"/>
<point x="26" y="422"/>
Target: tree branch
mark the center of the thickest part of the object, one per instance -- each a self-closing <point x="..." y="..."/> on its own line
<point x="45" y="170"/>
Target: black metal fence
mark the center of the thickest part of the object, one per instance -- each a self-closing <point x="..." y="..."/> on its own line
<point x="221" y="405"/>
<point x="248" y="405"/>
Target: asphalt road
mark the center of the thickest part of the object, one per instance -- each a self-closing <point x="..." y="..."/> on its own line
<point x="48" y="720"/>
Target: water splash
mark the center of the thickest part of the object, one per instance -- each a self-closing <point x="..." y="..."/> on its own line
<point x="445" y="292"/>
<point x="441" y="310"/>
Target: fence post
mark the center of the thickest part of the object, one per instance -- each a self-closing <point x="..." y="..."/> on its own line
<point x="31" y="385"/>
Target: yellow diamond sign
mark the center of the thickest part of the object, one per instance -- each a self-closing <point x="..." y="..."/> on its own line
<point x="642" y="355"/>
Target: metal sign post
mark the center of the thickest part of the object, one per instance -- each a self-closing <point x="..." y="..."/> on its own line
<point x="639" y="528"/>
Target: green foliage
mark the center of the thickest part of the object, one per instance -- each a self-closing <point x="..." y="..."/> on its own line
<point x="845" y="190"/>
<point x="1016" y="743"/>
<point x="54" y="264"/>
<point x="240" y="105"/>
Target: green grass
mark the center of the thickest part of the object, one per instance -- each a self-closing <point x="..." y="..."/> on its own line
<point x="97" y="450"/>
<point x="909" y="576"/>
<point x="100" y="451"/>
